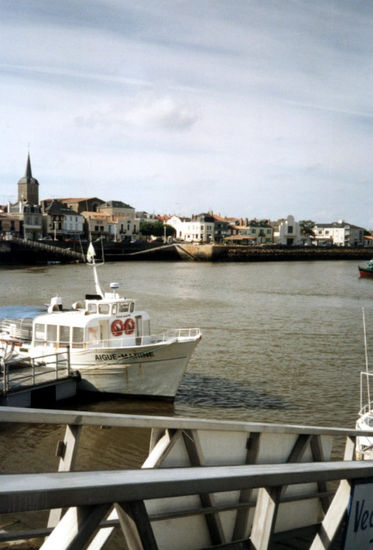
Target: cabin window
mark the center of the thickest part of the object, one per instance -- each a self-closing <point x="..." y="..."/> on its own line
<point x="123" y="308"/>
<point x="78" y="337"/>
<point x="132" y="307"/>
<point x="92" y="308"/>
<point x="64" y="335"/>
<point x="114" y="309"/>
<point x="103" y="309"/>
<point x="39" y="331"/>
<point x="146" y="327"/>
<point x="52" y="333"/>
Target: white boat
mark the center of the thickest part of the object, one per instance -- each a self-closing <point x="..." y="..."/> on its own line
<point x="111" y="344"/>
<point x="364" y="444"/>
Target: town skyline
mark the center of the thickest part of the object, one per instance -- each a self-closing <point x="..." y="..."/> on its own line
<point x="160" y="215"/>
<point x="259" y="111"/>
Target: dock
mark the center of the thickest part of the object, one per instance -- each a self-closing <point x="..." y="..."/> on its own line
<point x="25" y="251"/>
<point x="204" y="485"/>
<point x="36" y="381"/>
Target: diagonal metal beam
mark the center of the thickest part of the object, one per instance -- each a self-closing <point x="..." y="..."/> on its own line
<point x="194" y="450"/>
<point x="76" y="528"/>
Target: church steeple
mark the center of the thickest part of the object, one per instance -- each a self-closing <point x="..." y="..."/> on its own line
<point x="28" y="187"/>
<point x="28" y="173"/>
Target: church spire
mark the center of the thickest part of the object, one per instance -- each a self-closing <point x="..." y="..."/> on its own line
<point x="28" y="173"/>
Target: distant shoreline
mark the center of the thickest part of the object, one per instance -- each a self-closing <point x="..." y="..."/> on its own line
<point x="14" y="254"/>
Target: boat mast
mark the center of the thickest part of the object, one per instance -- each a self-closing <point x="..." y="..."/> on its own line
<point x="366" y="358"/>
<point x="91" y="259"/>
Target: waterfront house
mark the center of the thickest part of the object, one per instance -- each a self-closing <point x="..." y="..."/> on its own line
<point x="222" y="228"/>
<point x="126" y="224"/>
<point x="60" y="221"/>
<point x="288" y="232"/>
<point x="254" y="231"/>
<point x="199" y="228"/>
<point x="339" y="233"/>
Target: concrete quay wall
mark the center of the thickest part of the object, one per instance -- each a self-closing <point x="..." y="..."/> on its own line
<point x="239" y="253"/>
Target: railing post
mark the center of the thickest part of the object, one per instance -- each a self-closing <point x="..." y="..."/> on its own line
<point x="33" y="371"/>
<point x="5" y="378"/>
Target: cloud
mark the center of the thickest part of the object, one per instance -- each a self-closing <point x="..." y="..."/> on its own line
<point x="146" y="110"/>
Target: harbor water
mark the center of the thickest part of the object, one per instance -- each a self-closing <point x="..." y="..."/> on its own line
<point x="282" y="342"/>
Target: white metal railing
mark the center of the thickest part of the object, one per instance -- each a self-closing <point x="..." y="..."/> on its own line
<point x="131" y="492"/>
<point x="180" y="334"/>
<point x="52" y="366"/>
<point x="18" y="329"/>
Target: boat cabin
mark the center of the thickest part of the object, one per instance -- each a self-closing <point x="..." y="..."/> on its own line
<point x="98" y="321"/>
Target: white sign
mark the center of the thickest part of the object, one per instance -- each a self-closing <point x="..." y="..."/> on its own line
<point x="359" y="532"/>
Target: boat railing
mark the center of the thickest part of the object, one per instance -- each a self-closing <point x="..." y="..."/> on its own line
<point x="180" y="334"/>
<point x="183" y="333"/>
<point x="33" y="369"/>
<point x="17" y="329"/>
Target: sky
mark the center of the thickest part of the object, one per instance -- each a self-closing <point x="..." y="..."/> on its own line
<point x="248" y="108"/>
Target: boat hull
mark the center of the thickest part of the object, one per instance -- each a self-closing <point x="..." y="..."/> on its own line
<point x="149" y="371"/>
<point x="365" y="273"/>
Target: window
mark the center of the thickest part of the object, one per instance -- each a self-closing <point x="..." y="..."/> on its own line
<point x="103" y="309"/>
<point x="92" y="308"/>
<point x="39" y="331"/>
<point x="123" y="308"/>
<point x="290" y="228"/>
<point x="52" y="333"/>
<point x="64" y="335"/>
<point x="78" y="337"/>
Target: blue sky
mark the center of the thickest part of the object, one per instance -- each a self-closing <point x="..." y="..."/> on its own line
<point x="250" y="108"/>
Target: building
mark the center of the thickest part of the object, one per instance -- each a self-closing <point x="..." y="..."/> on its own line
<point x="222" y="228"/>
<point x="251" y="232"/>
<point x="25" y="215"/>
<point x="60" y="221"/>
<point x="77" y="205"/>
<point x="339" y="233"/>
<point x="288" y="232"/>
<point x="199" y="228"/>
<point x="28" y="187"/>
<point x="127" y="223"/>
<point x="11" y="223"/>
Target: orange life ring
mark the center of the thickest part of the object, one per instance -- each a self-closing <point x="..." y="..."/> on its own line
<point x="129" y="326"/>
<point x="117" y="327"/>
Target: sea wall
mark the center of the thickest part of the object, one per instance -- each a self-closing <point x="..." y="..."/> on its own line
<point x="17" y="253"/>
<point x="241" y="253"/>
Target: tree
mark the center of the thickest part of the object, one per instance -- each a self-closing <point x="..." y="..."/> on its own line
<point x="306" y="228"/>
<point x="155" y="228"/>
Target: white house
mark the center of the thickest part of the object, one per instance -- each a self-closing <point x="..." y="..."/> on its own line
<point x="288" y="233"/>
<point x="340" y="233"/>
<point x="199" y="228"/>
<point x="62" y="221"/>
